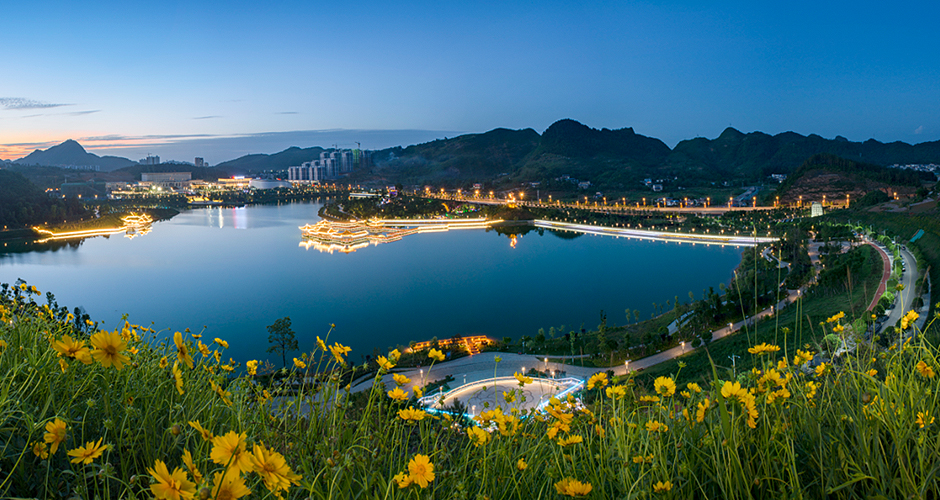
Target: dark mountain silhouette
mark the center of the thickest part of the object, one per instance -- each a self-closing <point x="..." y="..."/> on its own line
<point x="71" y="153"/>
<point x="290" y="157"/>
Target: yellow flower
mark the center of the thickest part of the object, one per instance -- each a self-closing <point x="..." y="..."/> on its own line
<point x="394" y="355"/>
<point x="811" y="389"/>
<point x="252" y="367"/>
<point x="821" y="369"/>
<point x="570" y="440"/>
<point x="384" y="363"/>
<point x="412" y="414"/>
<point x="598" y="379"/>
<point x="55" y="434"/>
<point x="523" y="380"/>
<point x="178" y="376"/>
<point x="909" y="318"/>
<point x="924" y="419"/>
<point x="203" y="349"/>
<point x="478" y="436"/>
<point x="273" y="469"/>
<point x="702" y="408"/>
<point x="339" y="351"/>
<point x="40" y="450"/>
<point x="188" y="462"/>
<point x="521" y="465"/>
<point x="400" y="379"/>
<point x="398" y="394"/>
<point x="803" y="357"/>
<point x="163" y="362"/>
<point x="436" y="355"/>
<point x="182" y="351"/>
<point x="63" y="364"/>
<point x="509" y="397"/>
<point x="692" y="386"/>
<point x="228" y="485"/>
<point x="223" y="394"/>
<point x="661" y="487"/>
<point x="421" y="470"/>
<point x="205" y="434"/>
<point x="925" y="370"/>
<point x="654" y="426"/>
<point x="221" y="342"/>
<point x="227" y="368"/>
<point x="170" y="486"/>
<point x="572" y="487"/>
<point x="640" y="459"/>
<point x="108" y="348"/>
<point x="71" y="348"/>
<point x="837" y="317"/>
<point x="763" y="348"/>
<point x="616" y="392"/>
<point x="418" y="391"/>
<point x="229" y="451"/>
<point x="320" y="344"/>
<point x="649" y="399"/>
<point x="872" y="372"/>
<point x="664" y="386"/>
<point x="600" y="431"/>
<point x="403" y="480"/>
<point x="299" y="364"/>
<point x="88" y="453"/>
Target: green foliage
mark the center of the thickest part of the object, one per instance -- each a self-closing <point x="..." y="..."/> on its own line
<point x="24" y="204"/>
<point x="282" y="338"/>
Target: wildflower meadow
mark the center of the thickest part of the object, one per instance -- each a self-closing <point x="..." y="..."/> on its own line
<point x="130" y="412"/>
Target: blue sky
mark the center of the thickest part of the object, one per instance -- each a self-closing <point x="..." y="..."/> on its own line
<point x="218" y="79"/>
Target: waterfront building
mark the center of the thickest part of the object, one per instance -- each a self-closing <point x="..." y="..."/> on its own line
<point x="174" y="180"/>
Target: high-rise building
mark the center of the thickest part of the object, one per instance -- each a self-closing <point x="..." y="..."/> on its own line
<point x="150" y="160"/>
<point x="200" y="162"/>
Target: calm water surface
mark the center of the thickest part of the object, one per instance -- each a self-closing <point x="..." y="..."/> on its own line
<point x="238" y="270"/>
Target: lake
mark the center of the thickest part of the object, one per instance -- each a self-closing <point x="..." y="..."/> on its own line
<point x="236" y="270"/>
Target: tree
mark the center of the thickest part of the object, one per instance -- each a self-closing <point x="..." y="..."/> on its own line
<point x="282" y="338"/>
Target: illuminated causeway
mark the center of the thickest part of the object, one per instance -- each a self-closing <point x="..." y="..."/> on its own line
<point x="645" y="234"/>
<point x="134" y="225"/>
<point x="347" y="237"/>
<point x="473" y="395"/>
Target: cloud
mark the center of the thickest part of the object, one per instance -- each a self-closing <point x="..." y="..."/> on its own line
<point x="919" y="130"/>
<point x="206" y="117"/>
<point x="287" y="113"/>
<point x="13" y="103"/>
<point x="80" y="113"/>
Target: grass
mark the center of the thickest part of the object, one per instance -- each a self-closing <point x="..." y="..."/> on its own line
<point x="863" y="426"/>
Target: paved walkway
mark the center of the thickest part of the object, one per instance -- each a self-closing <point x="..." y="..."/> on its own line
<point x="885" y="276"/>
<point x="905" y="300"/>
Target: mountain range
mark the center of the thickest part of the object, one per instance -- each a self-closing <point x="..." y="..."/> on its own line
<point x="71" y="153"/>
<point x="606" y="158"/>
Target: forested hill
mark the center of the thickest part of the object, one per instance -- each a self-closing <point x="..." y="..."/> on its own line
<point x="24" y="204"/>
<point x="757" y="155"/>
<point x="826" y="174"/>
<point x="621" y="158"/>
<point x="278" y="161"/>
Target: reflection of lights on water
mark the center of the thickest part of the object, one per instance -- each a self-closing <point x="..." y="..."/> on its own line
<point x="134" y="225"/>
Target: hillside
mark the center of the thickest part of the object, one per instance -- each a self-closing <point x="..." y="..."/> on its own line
<point x="757" y="155"/>
<point x="72" y="153"/>
<point x="278" y="161"/>
<point x="22" y="203"/>
<point x="621" y="158"/>
<point x="834" y="177"/>
<point x="463" y="158"/>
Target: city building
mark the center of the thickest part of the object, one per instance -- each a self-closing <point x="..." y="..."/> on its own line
<point x="175" y="180"/>
<point x="816" y="209"/>
<point x="200" y="162"/>
<point x="149" y="160"/>
<point x="331" y="165"/>
<point x="237" y="182"/>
